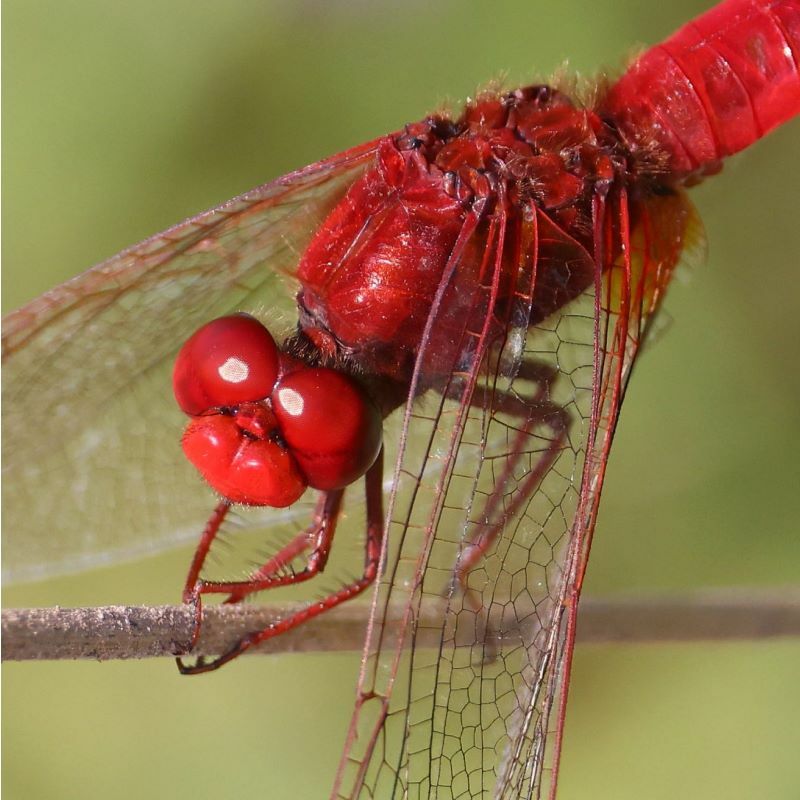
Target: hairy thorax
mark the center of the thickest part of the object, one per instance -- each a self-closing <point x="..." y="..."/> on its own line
<point x="511" y="182"/>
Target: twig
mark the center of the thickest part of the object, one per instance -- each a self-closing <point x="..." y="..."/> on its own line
<point x="114" y="632"/>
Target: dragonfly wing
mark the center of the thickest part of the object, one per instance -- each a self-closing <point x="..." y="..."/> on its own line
<point x="92" y="468"/>
<point x="649" y="237"/>
<point x="458" y="699"/>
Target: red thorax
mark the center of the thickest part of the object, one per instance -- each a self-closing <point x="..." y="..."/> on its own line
<point x="370" y="273"/>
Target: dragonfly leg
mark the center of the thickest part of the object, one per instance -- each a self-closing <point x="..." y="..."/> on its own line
<point x="374" y="539"/>
<point x="283" y="558"/>
<point x="190" y="595"/>
<point x="535" y="412"/>
<point x="317" y="536"/>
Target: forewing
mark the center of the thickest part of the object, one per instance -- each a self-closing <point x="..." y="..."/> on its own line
<point x="457" y="699"/>
<point x="92" y="467"/>
<point x="646" y="238"/>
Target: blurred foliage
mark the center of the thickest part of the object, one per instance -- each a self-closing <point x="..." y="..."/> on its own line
<point x="122" y="119"/>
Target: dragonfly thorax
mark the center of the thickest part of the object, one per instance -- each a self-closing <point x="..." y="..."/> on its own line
<point x="434" y="194"/>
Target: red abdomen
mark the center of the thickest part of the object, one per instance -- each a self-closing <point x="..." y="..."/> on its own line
<point x="714" y="87"/>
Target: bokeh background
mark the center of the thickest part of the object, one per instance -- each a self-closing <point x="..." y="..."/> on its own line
<point x="121" y="119"/>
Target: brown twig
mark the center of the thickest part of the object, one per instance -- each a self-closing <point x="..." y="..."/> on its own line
<point x="114" y="632"/>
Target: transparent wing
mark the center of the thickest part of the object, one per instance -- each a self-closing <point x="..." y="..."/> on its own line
<point x="507" y="456"/>
<point x="92" y="467"/>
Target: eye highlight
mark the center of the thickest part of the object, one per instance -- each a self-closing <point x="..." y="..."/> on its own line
<point x="228" y="361"/>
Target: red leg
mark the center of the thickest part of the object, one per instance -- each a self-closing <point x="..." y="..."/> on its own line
<point x="317" y="538"/>
<point x="318" y="535"/>
<point x="280" y="561"/>
<point x="534" y="412"/>
<point x="374" y="538"/>
<point x="190" y="596"/>
<point x="284" y="557"/>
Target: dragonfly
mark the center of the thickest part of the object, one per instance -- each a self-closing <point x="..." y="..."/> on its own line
<point x="518" y="424"/>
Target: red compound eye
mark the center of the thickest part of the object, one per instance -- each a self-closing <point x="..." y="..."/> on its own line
<point x="228" y="361"/>
<point x="330" y="426"/>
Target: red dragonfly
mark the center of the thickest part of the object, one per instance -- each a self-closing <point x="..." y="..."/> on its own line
<point x="508" y="369"/>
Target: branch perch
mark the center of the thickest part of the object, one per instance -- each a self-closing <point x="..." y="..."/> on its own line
<point x="116" y="632"/>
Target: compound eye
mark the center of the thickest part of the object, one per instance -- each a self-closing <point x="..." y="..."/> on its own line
<point x="228" y="361"/>
<point x="329" y="424"/>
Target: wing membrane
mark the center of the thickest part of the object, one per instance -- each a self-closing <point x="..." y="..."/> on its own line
<point x="516" y="440"/>
<point x="91" y="433"/>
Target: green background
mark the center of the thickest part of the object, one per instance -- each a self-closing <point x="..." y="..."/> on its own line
<point x="121" y="119"/>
